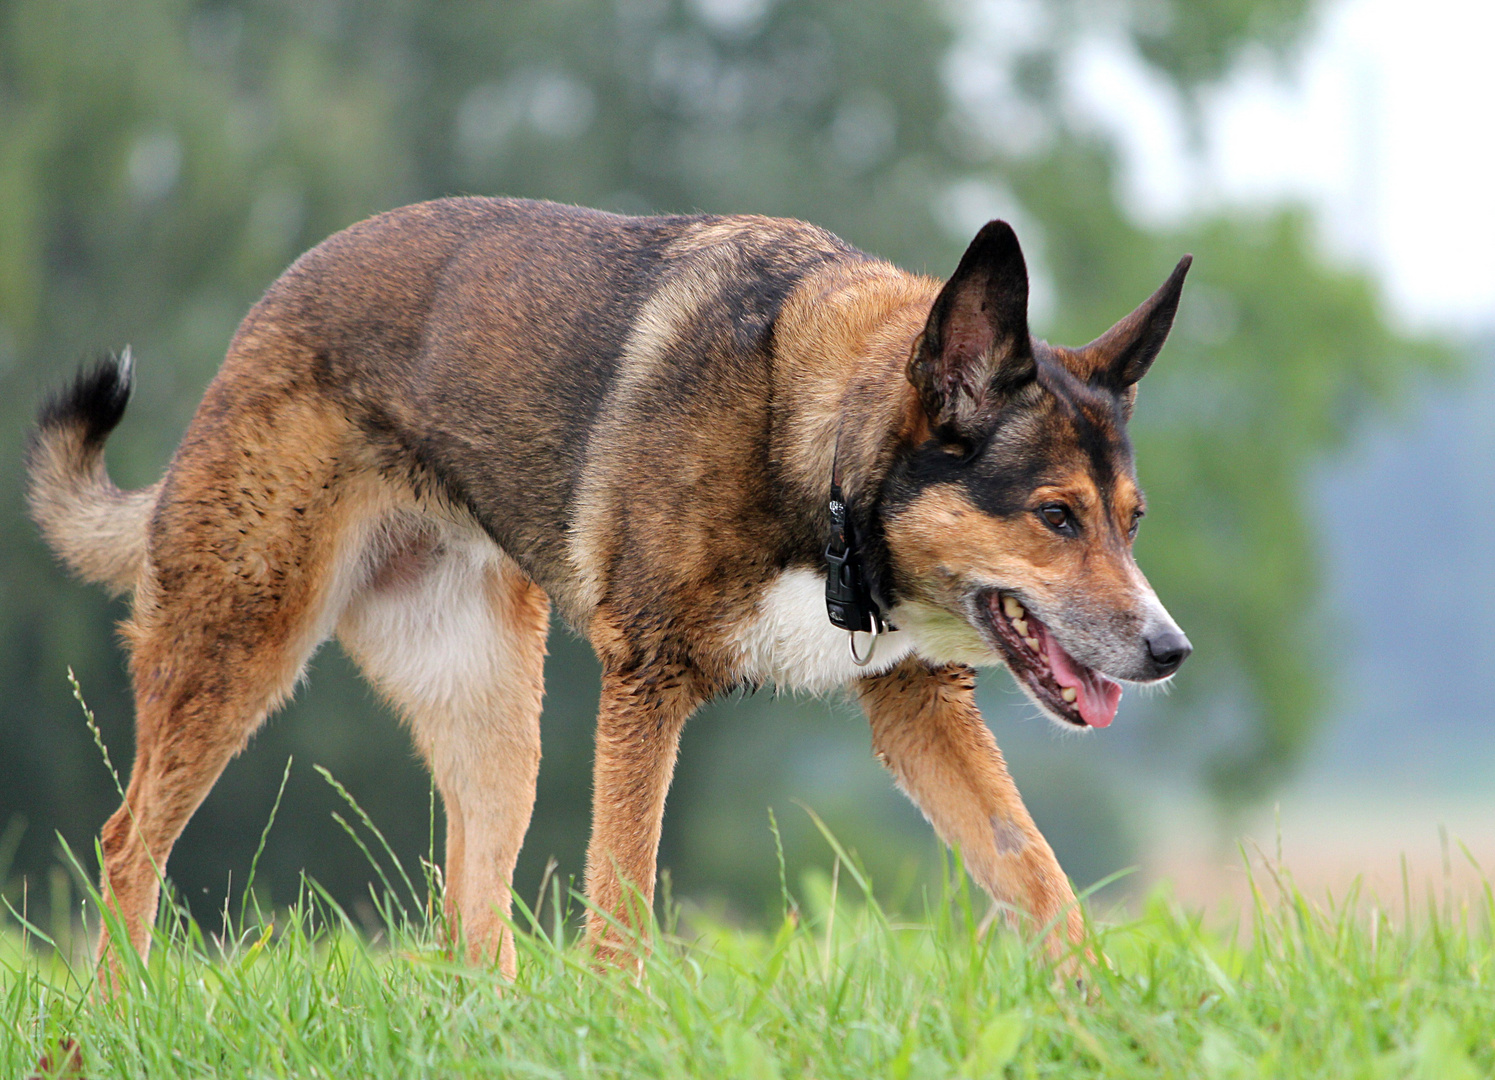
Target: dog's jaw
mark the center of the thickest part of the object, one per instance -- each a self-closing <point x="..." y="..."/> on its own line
<point x="941" y="637"/>
<point x="1065" y="689"/>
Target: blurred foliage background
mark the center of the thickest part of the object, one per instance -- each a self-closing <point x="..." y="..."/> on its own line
<point x="161" y="161"/>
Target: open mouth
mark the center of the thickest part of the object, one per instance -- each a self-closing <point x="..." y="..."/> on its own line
<point x="1068" y="689"/>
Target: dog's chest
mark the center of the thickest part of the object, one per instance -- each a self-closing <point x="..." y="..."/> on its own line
<point x="790" y="641"/>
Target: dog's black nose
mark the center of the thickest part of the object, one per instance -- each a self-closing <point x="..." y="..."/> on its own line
<point x="1168" y="649"/>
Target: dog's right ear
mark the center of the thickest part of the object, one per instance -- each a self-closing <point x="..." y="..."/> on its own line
<point x="975" y="349"/>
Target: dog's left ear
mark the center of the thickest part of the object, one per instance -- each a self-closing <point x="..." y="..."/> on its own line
<point x="975" y="349"/>
<point x="1121" y="356"/>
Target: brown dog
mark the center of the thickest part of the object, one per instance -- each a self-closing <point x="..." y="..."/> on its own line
<point x="443" y="420"/>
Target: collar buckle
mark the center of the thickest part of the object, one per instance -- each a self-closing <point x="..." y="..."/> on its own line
<point x="848" y="599"/>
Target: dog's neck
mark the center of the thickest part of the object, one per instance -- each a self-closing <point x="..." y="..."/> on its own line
<point x="842" y="399"/>
<point x="842" y="348"/>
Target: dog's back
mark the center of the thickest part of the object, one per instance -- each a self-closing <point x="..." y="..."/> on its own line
<point x="476" y="342"/>
<point x="473" y="343"/>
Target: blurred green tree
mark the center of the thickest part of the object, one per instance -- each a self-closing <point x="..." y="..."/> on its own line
<point x="161" y="161"/>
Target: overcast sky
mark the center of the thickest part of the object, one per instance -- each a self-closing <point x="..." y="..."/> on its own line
<point x="1386" y="124"/>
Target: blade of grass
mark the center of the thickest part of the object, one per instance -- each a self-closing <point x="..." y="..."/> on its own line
<point x="260" y="850"/>
<point x="368" y="823"/>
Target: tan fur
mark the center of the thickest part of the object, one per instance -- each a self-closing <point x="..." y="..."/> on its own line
<point x="94" y="527"/>
<point x="224" y="620"/>
<point x="839" y="336"/>
<point x="459" y="647"/>
<point x="663" y="321"/>
<point x="276" y="530"/>
<point x="843" y="340"/>
<point x="639" y="721"/>
<point x="927" y="730"/>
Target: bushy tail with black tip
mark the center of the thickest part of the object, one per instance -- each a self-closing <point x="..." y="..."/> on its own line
<point x="93" y="526"/>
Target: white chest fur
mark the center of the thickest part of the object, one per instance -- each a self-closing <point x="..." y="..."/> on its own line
<point x="789" y="640"/>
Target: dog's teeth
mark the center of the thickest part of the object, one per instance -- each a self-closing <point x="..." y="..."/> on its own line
<point x="1021" y="625"/>
<point x="1032" y="643"/>
<point x="1011" y="608"/>
<point x="1069" y="694"/>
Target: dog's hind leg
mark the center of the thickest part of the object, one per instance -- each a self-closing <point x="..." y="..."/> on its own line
<point x="453" y="633"/>
<point x="927" y="730"/>
<point x="246" y="562"/>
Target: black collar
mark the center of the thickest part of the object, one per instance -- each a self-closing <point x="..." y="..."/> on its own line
<point x="848" y="596"/>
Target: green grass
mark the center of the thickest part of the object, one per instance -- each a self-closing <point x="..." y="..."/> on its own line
<point x="839" y="989"/>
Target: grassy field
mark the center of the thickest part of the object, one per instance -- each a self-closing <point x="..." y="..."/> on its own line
<point x="840" y="989"/>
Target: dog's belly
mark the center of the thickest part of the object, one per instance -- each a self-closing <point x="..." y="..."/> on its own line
<point x="790" y="641"/>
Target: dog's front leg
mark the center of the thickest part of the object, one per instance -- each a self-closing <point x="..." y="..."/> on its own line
<point x="928" y="732"/>
<point x="638" y="733"/>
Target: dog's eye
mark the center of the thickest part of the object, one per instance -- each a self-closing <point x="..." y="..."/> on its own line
<point x="1057" y="517"/>
<point x="1137" y="516"/>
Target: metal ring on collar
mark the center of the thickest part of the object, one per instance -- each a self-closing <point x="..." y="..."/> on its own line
<point x="851" y="641"/>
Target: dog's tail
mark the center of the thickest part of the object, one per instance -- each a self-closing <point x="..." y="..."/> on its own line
<point x="97" y="529"/>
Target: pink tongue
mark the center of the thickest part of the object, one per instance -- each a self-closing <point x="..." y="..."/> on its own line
<point x="1098" y="695"/>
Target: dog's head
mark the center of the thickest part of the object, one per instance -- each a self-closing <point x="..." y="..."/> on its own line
<point x="1009" y="519"/>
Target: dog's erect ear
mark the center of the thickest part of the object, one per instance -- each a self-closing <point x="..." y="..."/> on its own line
<point x="975" y="347"/>
<point x="1122" y="355"/>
